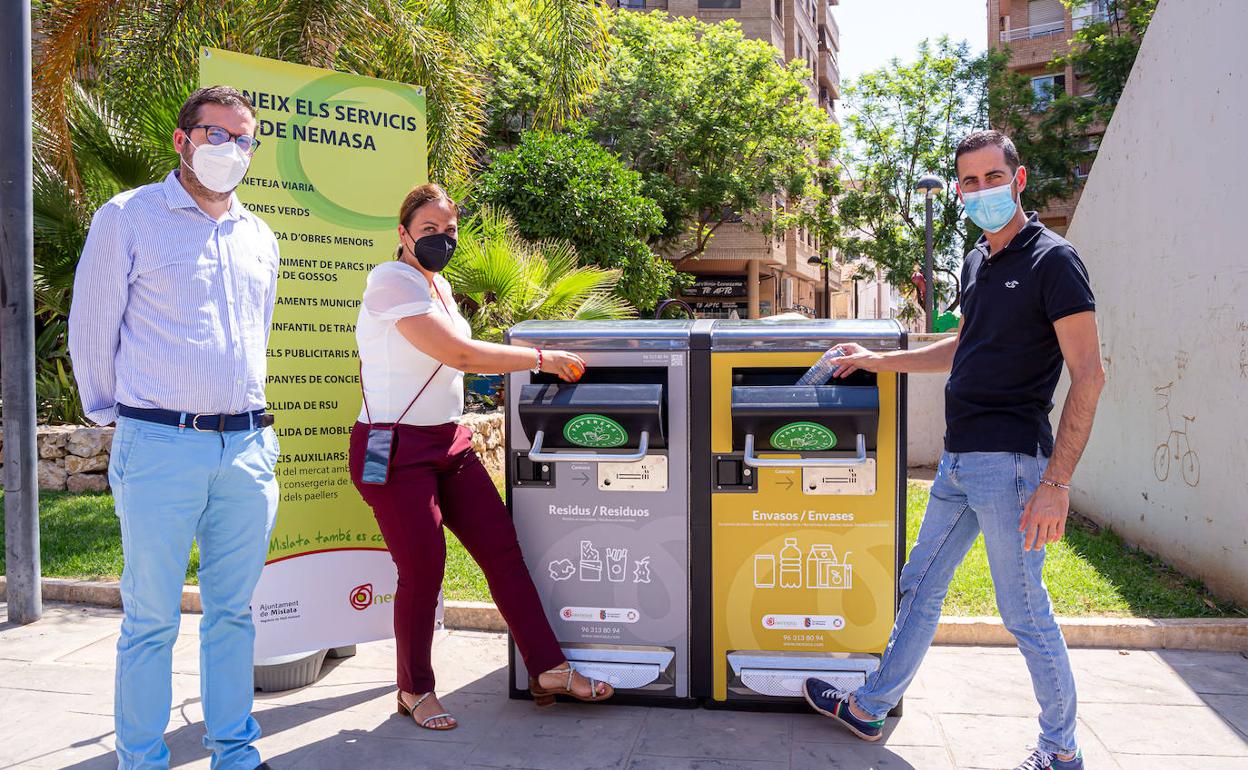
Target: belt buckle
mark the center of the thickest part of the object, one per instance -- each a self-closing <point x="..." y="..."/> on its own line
<point x="195" y="424"/>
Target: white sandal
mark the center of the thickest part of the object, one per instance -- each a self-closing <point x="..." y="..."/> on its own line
<point x="545" y="696"/>
<point x="410" y="711"/>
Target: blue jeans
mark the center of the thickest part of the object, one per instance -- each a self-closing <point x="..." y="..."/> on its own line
<point x="974" y="492"/>
<point x="173" y="487"/>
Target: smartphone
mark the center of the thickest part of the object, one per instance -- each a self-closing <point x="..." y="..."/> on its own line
<point x="377" y="455"/>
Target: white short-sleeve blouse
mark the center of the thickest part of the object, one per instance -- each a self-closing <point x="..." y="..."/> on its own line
<point x="393" y="369"/>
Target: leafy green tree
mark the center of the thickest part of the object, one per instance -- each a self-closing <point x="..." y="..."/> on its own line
<point x="502" y="278"/>
<point x="1052" y="130"/>
<point x="568" y="187"/>
<point x="521" y="93"/>
<point x="135" y="49"/>
<point x="816" y="207"/>
<point x="904" y="121"/>
<point x="1103" y="52"/>
<point x="711" y="120"/>
<point x="1045" y="128"/>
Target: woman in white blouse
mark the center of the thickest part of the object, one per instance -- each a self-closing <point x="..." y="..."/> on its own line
<point x="416" y="468"/>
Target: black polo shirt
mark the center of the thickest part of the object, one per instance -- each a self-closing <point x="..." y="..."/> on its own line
<point x="1008" y="361"/>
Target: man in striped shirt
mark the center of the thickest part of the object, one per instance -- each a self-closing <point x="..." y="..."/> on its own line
<point x="168" y="333"/>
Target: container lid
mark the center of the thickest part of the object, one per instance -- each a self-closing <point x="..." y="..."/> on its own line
<point x="628" y="334"/>
<point x="806" y="334"/>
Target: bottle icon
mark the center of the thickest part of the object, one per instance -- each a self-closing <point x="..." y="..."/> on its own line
<point x="790" y="564"/>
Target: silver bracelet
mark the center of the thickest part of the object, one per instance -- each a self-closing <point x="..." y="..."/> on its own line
<point x="1051" y="483"/>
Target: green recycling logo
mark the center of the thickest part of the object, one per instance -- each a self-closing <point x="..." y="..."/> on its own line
<point x="596" y="431"/>
<point x="803" y="437"/>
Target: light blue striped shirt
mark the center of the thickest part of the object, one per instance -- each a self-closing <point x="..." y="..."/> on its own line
<point x="171" y="308"/>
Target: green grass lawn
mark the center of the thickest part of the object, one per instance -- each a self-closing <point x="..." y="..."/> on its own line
<point x="1091" y="572"/>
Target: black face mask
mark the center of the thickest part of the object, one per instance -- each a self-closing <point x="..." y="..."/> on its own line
<point x="434" y="252"/>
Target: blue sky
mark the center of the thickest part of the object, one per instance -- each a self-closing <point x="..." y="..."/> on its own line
<point x="874" y="31"/>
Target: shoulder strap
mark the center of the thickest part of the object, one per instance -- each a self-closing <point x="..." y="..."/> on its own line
<point x="419" y="393"/>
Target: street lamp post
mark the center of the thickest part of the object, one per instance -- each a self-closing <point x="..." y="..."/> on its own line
<point x="929" y="185"/>
<point x="17" y="324"/>
<point x="827" y="294"/>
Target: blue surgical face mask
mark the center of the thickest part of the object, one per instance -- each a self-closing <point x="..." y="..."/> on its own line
<point x="991" y="209"/>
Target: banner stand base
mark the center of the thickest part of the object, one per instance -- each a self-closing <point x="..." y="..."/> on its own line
<point x="290" y="672"/>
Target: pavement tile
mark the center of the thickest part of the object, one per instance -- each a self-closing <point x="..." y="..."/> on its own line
<point x="640" y="762"/>
<point x="62" y="630"/>
<point x="977" y="680"/>
<point x="1163" y="729"/>
<point x="1232" y="708"/>
<point x="864" y="756"/>
<point x="472" y="662"/>
<point x="1173" y="762"/>
<point x="46" y="730"/>
<point x="996" y="742"/>
<point x="548" y="741"/>
<point x="103" y="653"/>
<point x="716" y="734"/>
<point x="1128" y="676"/>
<point x="1221" y="673"/>
<point x="916" y="727"/>
<point x="362" y="750"/>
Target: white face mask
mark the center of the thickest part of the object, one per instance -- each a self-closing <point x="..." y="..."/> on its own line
<point x="219" y="167"/>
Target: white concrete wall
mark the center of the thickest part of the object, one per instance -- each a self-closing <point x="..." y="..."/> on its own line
<point x="925" y="410"/>
<point x="1161" y="229"/>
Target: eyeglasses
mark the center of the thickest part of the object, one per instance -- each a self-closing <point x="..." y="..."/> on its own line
<point x="218" y="136"/>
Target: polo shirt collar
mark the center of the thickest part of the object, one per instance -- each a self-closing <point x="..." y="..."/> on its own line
<point x="176" y="197"/>
<point x="1022" y="240"/>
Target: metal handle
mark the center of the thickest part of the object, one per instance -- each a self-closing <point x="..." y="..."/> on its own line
<point x="538" y="456"/>
<point x="803" y="462"/>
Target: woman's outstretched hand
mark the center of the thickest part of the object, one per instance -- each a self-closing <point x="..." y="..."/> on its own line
<point x="568" y="366"/>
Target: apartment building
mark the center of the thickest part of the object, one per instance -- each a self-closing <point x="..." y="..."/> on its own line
<point x="744" y="273"/>
<point x="1037" y="32"/>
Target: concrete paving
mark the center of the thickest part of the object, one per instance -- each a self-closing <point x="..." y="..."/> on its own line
<point x="970" y="707"/>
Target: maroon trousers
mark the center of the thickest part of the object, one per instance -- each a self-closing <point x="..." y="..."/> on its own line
<point x="435" y="479"/>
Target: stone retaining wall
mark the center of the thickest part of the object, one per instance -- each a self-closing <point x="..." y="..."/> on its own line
<point x="72" y="457"/>
<point x="487" y="440"/>
<point x="75" y="458"/>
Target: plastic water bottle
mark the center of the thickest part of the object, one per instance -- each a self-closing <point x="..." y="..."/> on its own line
<point x="823" y="368"/>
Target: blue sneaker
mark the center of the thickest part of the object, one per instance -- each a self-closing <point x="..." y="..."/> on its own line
<point x="1043" y="760"/>
<point x="833" y="702"/>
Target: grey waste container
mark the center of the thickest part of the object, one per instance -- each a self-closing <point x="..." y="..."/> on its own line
<point x="598" y="488"/>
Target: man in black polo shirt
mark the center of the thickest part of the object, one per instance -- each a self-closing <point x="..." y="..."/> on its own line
<point x="1027" y="308"/>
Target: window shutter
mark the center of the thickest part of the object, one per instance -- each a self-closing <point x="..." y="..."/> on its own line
<point x="1045" y="12"/>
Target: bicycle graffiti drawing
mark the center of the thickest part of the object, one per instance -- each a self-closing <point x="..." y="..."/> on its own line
<point x="1177" y="446"/>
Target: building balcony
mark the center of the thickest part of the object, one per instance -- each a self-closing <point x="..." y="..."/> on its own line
<point x="829" y="73"/>
<point x="830" y="28"/>
<point x="1034" y="31"/>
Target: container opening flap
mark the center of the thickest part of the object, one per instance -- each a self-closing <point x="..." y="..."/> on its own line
<point x="783" y="676"/>
<point x="621" y="668"/>
<point x="595" y="415"/>
<point x="805" y="418"/>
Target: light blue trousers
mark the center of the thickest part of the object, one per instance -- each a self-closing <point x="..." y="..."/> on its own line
<point x="173" y="487"/>
<point x="980" y="492"/>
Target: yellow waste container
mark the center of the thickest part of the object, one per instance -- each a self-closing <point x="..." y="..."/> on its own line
<point x="799" y="539"/>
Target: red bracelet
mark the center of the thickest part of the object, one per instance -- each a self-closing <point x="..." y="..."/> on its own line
<point x="540" y="360"/>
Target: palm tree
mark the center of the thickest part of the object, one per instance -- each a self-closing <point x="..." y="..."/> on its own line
<point x="502" y="279"/>
<point x="137" y="49"/>
<point x="113" y="154"/>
